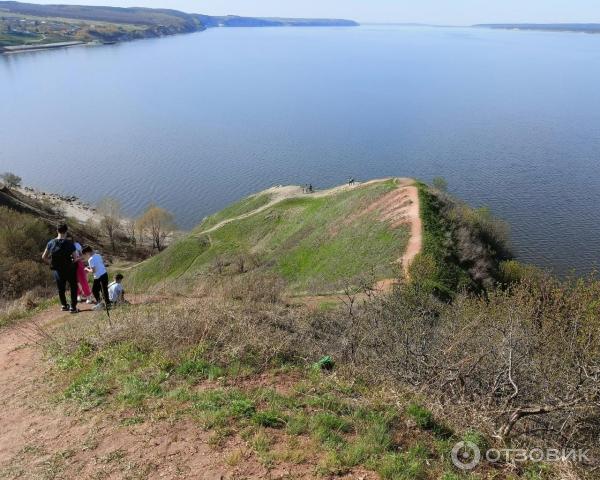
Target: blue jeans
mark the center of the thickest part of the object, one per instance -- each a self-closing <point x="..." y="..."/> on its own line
<point x="101" y="284"/>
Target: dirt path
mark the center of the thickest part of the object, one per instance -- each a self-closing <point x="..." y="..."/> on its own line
<point x="41" y="438"/>
<point x="281" y="192"/>
<point x="401" y="206"/>
<point x="412" y="216"/>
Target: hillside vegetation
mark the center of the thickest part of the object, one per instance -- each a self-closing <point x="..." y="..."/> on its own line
<point x="315" y="243"/>
<point x="28" y="23"/>
<point x="470" y="346"/>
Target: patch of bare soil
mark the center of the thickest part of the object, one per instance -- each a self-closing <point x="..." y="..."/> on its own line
<point x="44" y="439"/>
<point x="399" y="207"/>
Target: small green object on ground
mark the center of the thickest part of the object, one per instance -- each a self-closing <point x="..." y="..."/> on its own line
<point x="325" y="363"/>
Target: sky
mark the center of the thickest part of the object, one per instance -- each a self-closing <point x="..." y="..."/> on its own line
<point x="446" y="12"/>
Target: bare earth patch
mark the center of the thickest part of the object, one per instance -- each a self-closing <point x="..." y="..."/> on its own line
<point x="42" y="438"/>
<point x="399" y="207"/>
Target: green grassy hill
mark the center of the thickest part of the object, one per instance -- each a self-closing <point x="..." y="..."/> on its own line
<point x="316" y="242"/>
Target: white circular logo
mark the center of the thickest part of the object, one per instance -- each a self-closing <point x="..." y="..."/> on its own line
<point x="466" y="455"/>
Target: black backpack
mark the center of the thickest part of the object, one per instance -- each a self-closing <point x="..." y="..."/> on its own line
<point x="61" y="251"/>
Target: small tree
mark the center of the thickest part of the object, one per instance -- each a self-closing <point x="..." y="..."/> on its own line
<point x="110" y="213"/>
<point x="11" y="180"/>
<point x="159" y="224"/>
<point x="440" y="183"/>
<point x="131" y="230"/>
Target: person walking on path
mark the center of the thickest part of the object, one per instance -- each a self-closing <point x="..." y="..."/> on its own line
<point x="62" y="254"/>
<point x="96" y="266"/>
<point x="84" y="291"/>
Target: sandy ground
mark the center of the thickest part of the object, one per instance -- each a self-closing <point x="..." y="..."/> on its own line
<point x="41" y="438"/>
<point x="71" y="206"/>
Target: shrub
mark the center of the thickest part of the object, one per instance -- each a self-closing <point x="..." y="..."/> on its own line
<point x="440" y="183"/>
<point x="24" y="276"/>
<point x="22" y="240"/>
<point x="465" y="245"/>
<point x="519" y="363"/>
<point x="22" y="237"/>
<point x="11" y="180"/>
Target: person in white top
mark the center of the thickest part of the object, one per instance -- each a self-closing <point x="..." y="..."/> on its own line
<point x="116" y="292"/>
<point x="96" y="266"/>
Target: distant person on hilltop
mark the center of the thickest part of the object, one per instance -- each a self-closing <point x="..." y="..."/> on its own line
<point x="96" y="266"/>
<point x="62" y="254"/>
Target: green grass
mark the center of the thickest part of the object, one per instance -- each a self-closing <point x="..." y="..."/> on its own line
<point x="12" y="39"/>
<point x="242" y="207"/>
<point x="316" y="244"/>
<point x="168" y="266"/>
<point x="14" y="315"/>
<point x="425" y="420"/>
<point x="438" y="258"/>
<point x="344" y="425"/>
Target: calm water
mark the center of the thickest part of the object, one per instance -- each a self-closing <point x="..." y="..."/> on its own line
<point x="193" y="122"/>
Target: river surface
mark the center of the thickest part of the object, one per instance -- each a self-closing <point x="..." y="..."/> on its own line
<point x="193" y="122"/>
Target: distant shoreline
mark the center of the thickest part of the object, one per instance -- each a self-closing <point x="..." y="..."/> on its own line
<point x="32" y="27"/>
<point x="591" y="28"/>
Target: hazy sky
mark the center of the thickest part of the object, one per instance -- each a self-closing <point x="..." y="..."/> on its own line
<point x="457" y="12"/>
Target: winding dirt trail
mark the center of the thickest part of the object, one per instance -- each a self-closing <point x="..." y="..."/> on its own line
<point x="285" y="192"/>
<point x="400" y="207"/>
<point x="41" y="438"/>
<point x="412" y="216"/>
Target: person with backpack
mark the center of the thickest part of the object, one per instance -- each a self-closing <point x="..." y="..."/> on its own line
<point x="62" y="254"/>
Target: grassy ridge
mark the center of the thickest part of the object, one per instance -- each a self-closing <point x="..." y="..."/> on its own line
<point x="314" y="243"/>
<point x="133" y="16"/>
<point x="234" y="210"/>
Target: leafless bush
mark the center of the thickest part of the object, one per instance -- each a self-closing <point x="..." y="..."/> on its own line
<point x="521" y="363"/>
<point x="528" y="356"/>
<point x="266" y="288"/>
<point x="23" y="276"/>
<point x="218" y="265"/>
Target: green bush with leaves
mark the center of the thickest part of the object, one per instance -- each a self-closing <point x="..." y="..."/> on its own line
<point x="22" y="240"/>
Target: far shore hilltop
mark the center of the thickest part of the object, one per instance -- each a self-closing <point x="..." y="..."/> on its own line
<point x="28" y="26"/>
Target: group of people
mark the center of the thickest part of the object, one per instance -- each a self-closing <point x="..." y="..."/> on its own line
<point x="308" y="188"/>
<point x="71" y="263"/>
